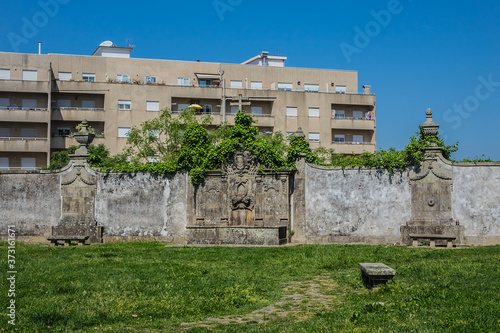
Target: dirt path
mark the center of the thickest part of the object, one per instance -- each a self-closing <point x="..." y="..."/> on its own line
<point x="300" y="299"/>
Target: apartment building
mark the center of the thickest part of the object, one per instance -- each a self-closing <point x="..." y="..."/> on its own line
<point x="44" y="96"/>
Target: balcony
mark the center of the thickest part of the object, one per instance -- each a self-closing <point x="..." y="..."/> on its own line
<point x="350" y="123"/>
<point x="63" y="142"/>
<point x="20" y="144"/>
<point x="78" y="114"/>
<point x="353" y="147"/>
<point x="18" y="114"/>
<point x="21" y="86"/>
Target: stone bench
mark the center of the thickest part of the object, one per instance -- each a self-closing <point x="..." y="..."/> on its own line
<point x="376" y="273"/>
<point x="432" y="238"/>
<point x="67" y="240"/>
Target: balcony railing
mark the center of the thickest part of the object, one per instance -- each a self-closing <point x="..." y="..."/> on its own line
<point x="79" y="109"/>
<point x="216" y="113"/>
<point x="351" y="143"/>
<point x="21" y="138"/>
<point x="353" y="118"/>
<point x="18" y="168"/>
<point x="22" y="108"/>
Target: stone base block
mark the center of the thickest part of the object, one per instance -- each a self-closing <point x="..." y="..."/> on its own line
<point x="451" y="230"/>
<point x="236" y="235"/>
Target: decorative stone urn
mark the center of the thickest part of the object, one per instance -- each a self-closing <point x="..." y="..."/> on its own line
<point x="84" y="137"/>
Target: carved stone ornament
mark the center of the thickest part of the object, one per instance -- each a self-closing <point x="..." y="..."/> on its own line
<point x="431" y="166"/>
<point x="78" y="172"/>
<point x="243" y="164"/>
<point x="242" y="200"/>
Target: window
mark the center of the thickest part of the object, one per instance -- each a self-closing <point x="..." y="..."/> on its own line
<point x="236" y="84"/>
<point x="4" y="74"/>
<point x="313" y="136"/>
<point x="311" y="87"/>
<point x="29" y="75"/>
<point x="206" y="109"/>
<point x="152" y="106"/>
<point x="64" y="76"/>
<point x="28" y="163"/>
<point x="256" y="110"/>
<point x="88" y="105"/>
<point x="63" y="131"/>
<point x="4" y="163"/>
<point x="289" y="135"/>
<point x="234" y="109"/>
<point x="357" y="115"/>
<point x="340" y="89"/>
<point x="123" y="132"/>
<point x="29" y="104"/>
<point x="4" y="103"/>
<point x="256" y="85"/>
<point x="291" y="111"/>
<point x="205" y="83"/>
<point x="183" y="81"/>
<point x="124" y="105"/>
<point x="357" y="138"/>
<point x="314" y="112"/>
<point x="285" y="86"/>
<point x="28" y="133"/>
<point x="150" y="79"/>
<point x="339" y="138"/>
<point x="89" y="77"/>
<point x="122" y="78"/>
<point x="63" y="103"/>
<point x="154" y="133"/>
<point x="4" y="132"/>
<point x="181" y="107"/>
<point x="338" y="114"/>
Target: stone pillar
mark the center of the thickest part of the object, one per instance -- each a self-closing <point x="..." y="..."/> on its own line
<point x="78" y="192"/>
<point x="298" y="193"/>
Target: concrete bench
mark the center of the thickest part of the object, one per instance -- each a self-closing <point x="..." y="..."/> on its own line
<point x="67" y="240"/>
<point x="376" y="273"/>
<point x="432" y="238"/>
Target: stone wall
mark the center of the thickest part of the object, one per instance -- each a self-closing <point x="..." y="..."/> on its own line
<point x="355" y="206"/>
<point x="476" y="201"/>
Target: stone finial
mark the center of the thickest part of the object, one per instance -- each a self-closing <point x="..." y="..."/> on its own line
<point x="430" y="127"/>
<point x="300" y="133"/>
<point x="84" y="137"/>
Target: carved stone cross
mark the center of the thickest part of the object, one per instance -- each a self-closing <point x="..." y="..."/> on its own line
<point x="240" y="102"/>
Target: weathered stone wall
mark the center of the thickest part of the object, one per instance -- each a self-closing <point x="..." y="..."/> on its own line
<point x="476" y="202"/>
<point x="355" y="206"/>
<point x="31" y="202"/>
<point x="141" y="206"/>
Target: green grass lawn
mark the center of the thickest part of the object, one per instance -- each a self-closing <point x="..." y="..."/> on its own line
<point x="147" y="287"/>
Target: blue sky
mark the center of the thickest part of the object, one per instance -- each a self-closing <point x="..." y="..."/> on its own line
<point x="415" y="54"/>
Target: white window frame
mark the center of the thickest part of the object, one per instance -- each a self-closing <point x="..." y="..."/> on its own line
<point x="314" y="136"/>
<point x="123" y="78"/>
<point x="150" y="79"/>
<point x="358" y="138"/>
<point x="340" y="89"/>
<point x="30" y="75"/>
<point x="29" y="103"/>
<point x="28" y="163"/>
<point x="206" y="109"/>
<point x="314" y="112"/>
<point x="285" y="86"/>
<point x="183" y="81"/>
<point x="4" y="163"/>
<point x="291" y="111"/>
<point x="339" y="138"/>
<point x="64" y="76"/>
<point x="88" y="104"/>
<point x="311" y="87"/>
<point x="123" y="132"/>
<point x="88" y="77"/>
<point x="4" y="74"/>
<point x="257" y="85"/>
<point x="124" y="105"/>
<point x="153" y="133"/>
<point x="152" y="106"/>
<point x="236" y="84"/>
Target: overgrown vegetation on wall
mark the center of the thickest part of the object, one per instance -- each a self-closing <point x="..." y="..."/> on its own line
<point x="189" y="143"/>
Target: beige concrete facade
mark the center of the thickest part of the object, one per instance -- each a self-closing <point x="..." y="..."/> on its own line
<point x="43" y="98"/>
